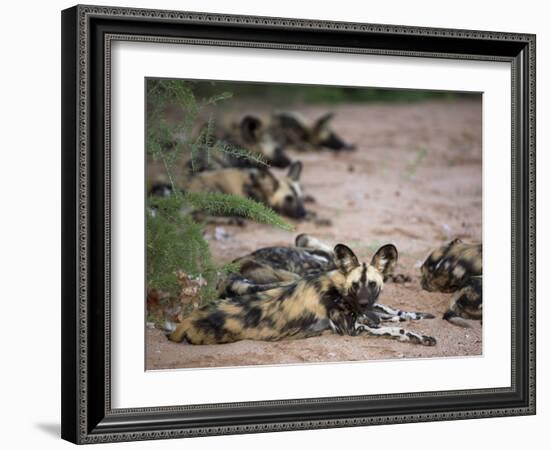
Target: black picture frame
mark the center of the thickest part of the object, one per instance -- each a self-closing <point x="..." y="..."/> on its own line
<point x="87" y="33"/>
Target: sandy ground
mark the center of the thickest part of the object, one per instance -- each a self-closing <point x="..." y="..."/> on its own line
<point x="414" y="181"/>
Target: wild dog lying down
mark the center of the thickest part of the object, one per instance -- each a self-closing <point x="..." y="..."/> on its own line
<point x="283" y="194"/>
<point x="334" y="301"/>
<point x="292" y="129"/>
<point x="267" y="267"/>
<point x="456" y="267"/>
<point x="270" y="137"/>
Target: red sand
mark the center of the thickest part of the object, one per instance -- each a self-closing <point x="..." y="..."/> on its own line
<point x="414" y="181"/>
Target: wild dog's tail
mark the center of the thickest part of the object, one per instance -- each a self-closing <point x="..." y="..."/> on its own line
<point x="168" y="326"/>
<point x="452" y="318"/>
<point x="178" y="333"/>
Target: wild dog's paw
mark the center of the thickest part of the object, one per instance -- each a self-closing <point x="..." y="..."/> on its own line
<point x="421" y="339"/>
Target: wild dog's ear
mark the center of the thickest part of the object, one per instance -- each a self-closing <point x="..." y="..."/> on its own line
<point x="385" y="259"/>
<point x="249" y="128"/>
<point x="322" y="121"/>
<point x="344" y="258"/>
<point x="295" y="170"/>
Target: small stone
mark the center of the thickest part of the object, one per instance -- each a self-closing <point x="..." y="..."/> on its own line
<point x="220" y="234"/>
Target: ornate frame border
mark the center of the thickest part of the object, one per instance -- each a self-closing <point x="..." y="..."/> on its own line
<point x="84" y="421"/>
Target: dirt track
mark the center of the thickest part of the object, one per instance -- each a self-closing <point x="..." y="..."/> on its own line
<point x="415" y="181"/>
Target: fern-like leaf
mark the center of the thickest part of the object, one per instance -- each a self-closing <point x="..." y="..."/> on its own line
<point x="216" y="203"/>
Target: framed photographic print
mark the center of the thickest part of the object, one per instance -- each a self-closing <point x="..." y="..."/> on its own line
<point x="282" y="224"/>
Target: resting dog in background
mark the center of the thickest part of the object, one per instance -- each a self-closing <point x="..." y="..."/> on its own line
<point x="283" y="194"/>
<point x="266" y="138"/>
<point x="267" y="267"/>
<point x="456" y="267"/>
<point x="335" y="301"/>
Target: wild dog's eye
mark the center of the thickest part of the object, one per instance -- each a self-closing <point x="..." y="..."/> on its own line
<point x="289" y="199"/>
<point x="355" y="286"/>
<point x="372" y="284"/>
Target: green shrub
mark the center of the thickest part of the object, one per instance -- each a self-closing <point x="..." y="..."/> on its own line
<point x="175" y="240"/>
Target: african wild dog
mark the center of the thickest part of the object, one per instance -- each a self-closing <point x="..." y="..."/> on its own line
<point x="291" y="129"/>
<point x="283" y="194"/>
<point x="335" y="301"/>
<point x="267" y="267"/>
<point x="269" y="138"/>
<point x="456" y="267"/>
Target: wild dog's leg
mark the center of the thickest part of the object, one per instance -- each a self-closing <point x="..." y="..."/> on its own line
<point x="316" y="328"/>
<point x="341" y="323"/>
<point x="451" y="317"/>
<point x="395" y="332"/>
<point x="461" y="316"/>
<point x="389" y="314"/>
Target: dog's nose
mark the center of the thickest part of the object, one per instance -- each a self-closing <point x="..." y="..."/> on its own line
<point x="300" y="212"/>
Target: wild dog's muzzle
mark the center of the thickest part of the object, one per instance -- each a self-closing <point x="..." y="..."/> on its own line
<point x="333" y="142"/>
<point x="295" y="212"/>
